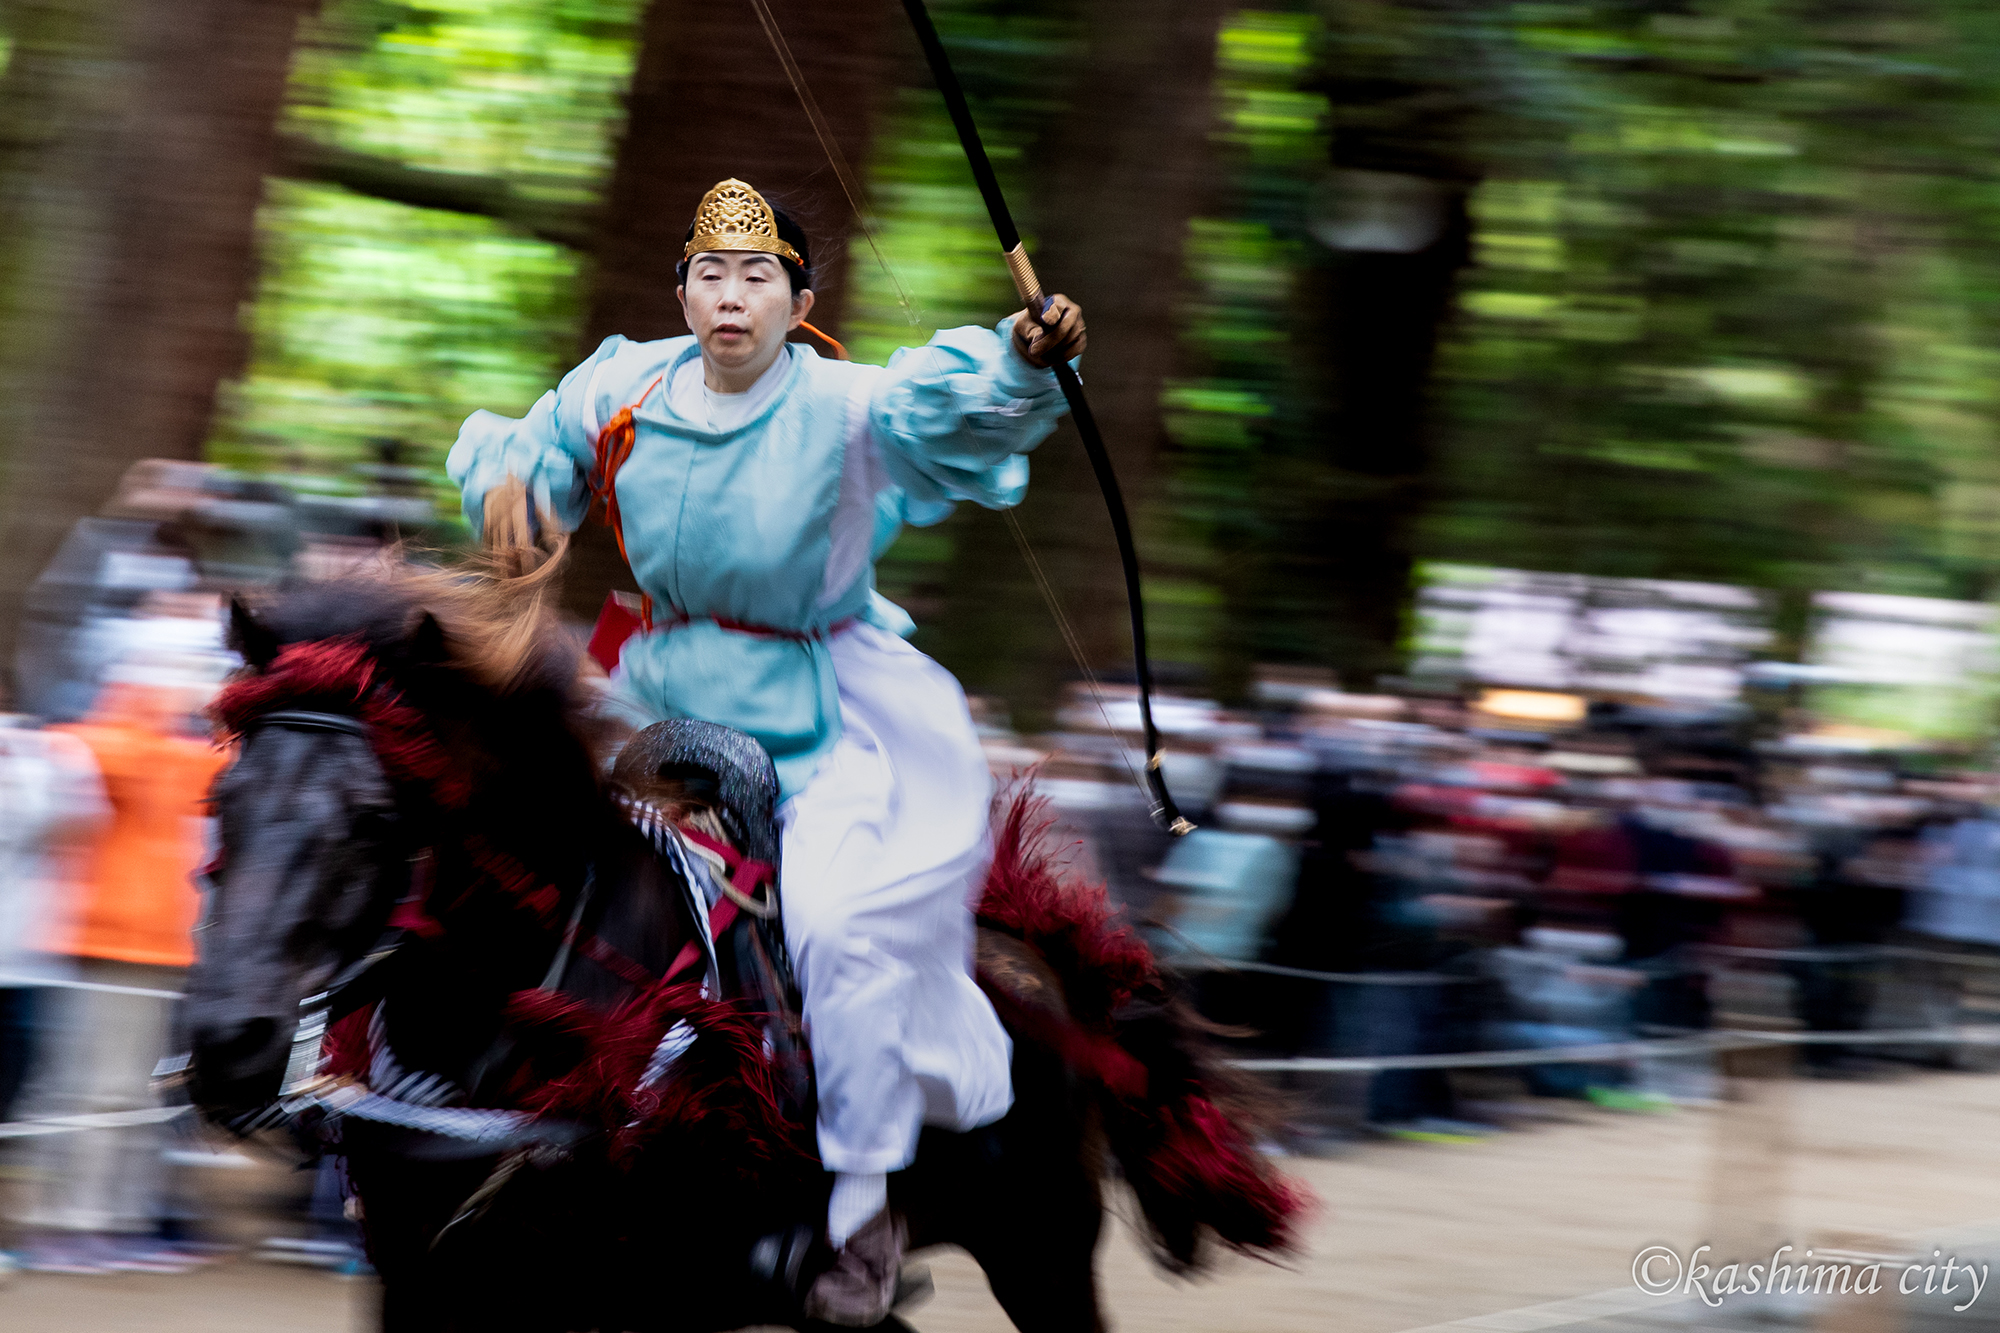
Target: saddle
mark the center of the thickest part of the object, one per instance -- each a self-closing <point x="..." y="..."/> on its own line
<point x="706" y="797"/>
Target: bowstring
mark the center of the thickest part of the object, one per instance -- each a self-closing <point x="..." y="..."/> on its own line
<point x="849" y="184"/>
<point x="851" y="187"/>
<point x="1074" y="643"/>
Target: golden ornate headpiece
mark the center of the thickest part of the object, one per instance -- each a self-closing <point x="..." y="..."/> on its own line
<point x="733" y="216"/>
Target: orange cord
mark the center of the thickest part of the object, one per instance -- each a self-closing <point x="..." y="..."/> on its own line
<point x="839" y="351"/>
<point x="614" y="446"/>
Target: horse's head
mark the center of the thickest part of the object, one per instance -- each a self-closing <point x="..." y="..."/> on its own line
<point x="362" y="726"/>
<point x="312" y="852"/>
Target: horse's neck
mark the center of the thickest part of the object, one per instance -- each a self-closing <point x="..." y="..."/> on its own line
<point x="638" y="915"/>
<point x="495" y="939"/>
<point x="499" y="893"/>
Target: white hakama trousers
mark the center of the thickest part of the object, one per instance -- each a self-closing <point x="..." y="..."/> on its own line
<point x="884" y="852"/>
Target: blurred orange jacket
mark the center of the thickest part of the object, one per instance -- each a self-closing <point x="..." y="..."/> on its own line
<point x="133" y="899"/>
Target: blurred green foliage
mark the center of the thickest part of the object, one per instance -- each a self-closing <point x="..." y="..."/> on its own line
<point x="521" y="89"/>
<point x="1731" y="309"/>
<point x="1245" y="465"/>
<point x="378" y="321"/>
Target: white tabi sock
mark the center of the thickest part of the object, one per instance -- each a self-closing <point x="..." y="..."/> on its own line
<point x="856" y="1200"/>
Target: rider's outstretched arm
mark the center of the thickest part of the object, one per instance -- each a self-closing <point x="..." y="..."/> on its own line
<point x="549" y="450"/>
<point x="954" y="417"/>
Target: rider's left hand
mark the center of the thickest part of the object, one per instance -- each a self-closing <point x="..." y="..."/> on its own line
<point x="1057" y="336"/>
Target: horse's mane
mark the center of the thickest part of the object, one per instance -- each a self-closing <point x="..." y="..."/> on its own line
<point x="498" y="621"/>
<point x="485" y="684"/>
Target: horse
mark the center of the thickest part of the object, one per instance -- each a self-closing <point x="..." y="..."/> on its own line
<point x="438" y="943"/>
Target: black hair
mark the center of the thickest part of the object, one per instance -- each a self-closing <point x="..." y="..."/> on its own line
<point x="790" y="232"/>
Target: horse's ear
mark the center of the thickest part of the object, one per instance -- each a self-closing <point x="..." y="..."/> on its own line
<point x="427" y="645"/>
<point x="251" y="638"/>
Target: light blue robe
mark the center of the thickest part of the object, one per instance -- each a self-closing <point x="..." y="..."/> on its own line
<point x="778" y="522"/>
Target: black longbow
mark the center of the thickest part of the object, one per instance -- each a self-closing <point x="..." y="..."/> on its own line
<point x="1165" y="813"/>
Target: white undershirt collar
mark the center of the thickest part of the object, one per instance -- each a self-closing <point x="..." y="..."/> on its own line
<point x="694" y="401"/>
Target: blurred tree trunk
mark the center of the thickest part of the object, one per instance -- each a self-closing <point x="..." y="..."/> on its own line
<point x="1113" y="185"/>
<point x="136" y="141"/>
<point x="1341" y="500"/>
<point x="1369" y="322"/>
<point x="710" y="100"/>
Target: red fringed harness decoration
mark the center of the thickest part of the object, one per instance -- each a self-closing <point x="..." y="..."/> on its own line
<point x="583" y="1065"/>
<point x="1181" y="1154"/>
<point x="1188" y="1162"/>
<point x="340" y="676"/>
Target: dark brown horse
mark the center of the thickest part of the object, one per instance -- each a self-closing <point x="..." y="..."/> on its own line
<point x="418" y="846"/>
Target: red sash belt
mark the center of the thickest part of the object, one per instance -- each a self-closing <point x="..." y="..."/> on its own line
<point x="763" y="631"/>
<point x="621" y="618"/>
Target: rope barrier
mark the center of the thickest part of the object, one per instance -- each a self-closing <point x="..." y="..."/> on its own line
<point x="1818" y="953"/>
<point x="71" y="1124"/>
<point x="1850" y="953"/>
<point x="1615" y="1051"/>
<point x="1598" y="1053"/>
<point x="1827" y="953"/>
<point x="16" y="981"/>
<point x="1212" y="964"/>
<point x="1840" y="953"/>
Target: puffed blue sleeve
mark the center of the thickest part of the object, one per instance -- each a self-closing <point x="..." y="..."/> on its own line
<point x="551" y="449"/>
<point x="954" y="416"/>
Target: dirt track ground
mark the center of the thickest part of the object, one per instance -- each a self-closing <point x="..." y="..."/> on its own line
<point x="1409" y="1234"/>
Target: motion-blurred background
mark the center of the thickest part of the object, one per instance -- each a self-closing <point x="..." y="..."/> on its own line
<point x="1564" y="442"/>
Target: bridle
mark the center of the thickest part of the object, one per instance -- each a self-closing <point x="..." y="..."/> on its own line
<point x="305" y="1091"/>
<point x="300" y="719"/>
<point x="302" y="1077"/>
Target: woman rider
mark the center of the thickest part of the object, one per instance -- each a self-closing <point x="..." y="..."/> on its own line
<point x="762" y="483"/>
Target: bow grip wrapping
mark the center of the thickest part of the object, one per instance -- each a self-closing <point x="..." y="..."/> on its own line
<point x="1026" y="284"/>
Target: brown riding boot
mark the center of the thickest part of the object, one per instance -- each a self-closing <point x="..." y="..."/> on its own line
<point x="860" y="1289"/>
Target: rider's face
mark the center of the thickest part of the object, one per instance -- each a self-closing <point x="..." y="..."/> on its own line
<point x="740" y="305"/>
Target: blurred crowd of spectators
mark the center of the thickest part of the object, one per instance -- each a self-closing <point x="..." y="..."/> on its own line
<point x="1423" y="875"/>
<point x="105" y="764"/>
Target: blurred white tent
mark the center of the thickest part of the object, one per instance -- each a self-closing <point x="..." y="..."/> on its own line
<point x="1649" y="638"/>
